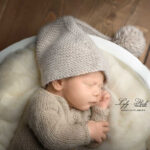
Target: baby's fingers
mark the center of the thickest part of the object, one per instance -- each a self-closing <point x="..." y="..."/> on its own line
<point x="105" y="130"/>
<point x="104" y="136"/>
<point x="106" y="94"/>
<point x="105" y="124"/>
<point x="99" y="140"/>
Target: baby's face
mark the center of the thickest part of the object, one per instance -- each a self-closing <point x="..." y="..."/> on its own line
<point x="84" y="91"/>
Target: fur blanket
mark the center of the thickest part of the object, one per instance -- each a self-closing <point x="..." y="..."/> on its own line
<point x="129" y="125"/>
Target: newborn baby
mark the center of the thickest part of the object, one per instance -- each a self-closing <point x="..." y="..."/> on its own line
<point x="83" y="92"/>
<point x="70" y="109"/>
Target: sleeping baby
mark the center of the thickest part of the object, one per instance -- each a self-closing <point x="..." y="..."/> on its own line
<point x="71" y="108"/>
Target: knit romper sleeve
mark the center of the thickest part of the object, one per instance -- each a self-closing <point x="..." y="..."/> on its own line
<point x="97" y="114"/>
<point x="52" y="129"/>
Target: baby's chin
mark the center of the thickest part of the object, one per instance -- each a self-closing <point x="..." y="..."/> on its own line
<point x="84" y="108"/>
<point x="81" y="108"/>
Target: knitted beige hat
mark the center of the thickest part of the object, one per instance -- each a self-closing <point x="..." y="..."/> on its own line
<point x="64" y="49"/>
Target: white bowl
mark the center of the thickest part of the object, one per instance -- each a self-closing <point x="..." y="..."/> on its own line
<point x="108" y="46"/>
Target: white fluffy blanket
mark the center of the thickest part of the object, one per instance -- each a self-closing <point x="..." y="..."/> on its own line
<point x="129" y="130"/>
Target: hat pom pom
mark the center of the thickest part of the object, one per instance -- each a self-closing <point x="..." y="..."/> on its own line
<point x="130" y="38"/>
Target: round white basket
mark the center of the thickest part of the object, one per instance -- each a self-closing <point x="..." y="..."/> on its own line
<point x="123" y="56"/>
<point x="108" y="46"/>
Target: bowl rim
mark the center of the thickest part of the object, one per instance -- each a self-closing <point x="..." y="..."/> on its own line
<point x="124" y="56"/>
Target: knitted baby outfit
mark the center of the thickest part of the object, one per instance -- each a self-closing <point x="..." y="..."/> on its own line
<point x="48" y="123"/>
<point x="64" y="49"/>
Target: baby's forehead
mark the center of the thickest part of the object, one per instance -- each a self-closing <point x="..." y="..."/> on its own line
<point x="95" y="76"/>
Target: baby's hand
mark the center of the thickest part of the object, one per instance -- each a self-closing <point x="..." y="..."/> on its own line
<point x="98" y="130"/>
<point x="105" y="100"/>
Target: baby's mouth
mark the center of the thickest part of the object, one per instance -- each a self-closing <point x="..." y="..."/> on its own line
<point x="93" y="103"/>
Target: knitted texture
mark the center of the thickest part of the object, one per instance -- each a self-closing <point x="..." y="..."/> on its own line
<point x="130" y="38"/>
<point x="65" y="50"/>
<point x="49" y="123"/>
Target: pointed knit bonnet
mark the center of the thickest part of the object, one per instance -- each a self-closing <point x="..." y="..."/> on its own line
<point x="64" y="49"/>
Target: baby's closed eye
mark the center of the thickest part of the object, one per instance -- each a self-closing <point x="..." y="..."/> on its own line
<point x="98" y="85"/>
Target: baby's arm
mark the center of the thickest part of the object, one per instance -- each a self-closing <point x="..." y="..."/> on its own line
<point x="100" y="112"/>
<point x="52" y="129"/>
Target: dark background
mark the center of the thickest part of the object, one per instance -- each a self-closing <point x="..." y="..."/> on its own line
<point x="20" y="19"/>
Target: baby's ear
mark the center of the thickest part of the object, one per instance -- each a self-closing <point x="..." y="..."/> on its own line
<point x="58" y="85"/>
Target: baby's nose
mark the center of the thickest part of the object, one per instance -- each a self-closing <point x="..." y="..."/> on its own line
<point x="97" y="94"/>
<point x="96" y="91"/>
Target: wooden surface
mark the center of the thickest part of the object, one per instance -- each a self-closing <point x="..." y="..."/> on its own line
<point x="23" y="18"/>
